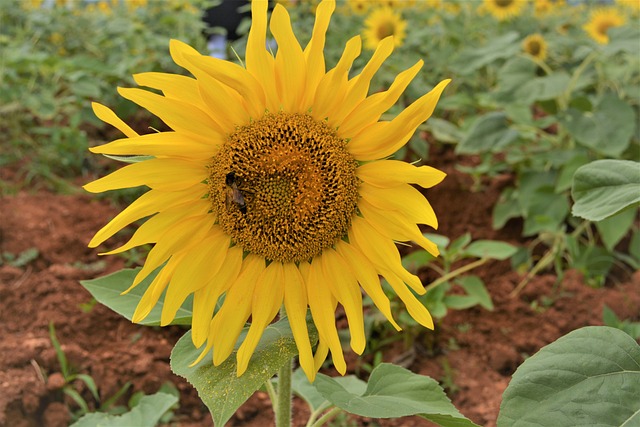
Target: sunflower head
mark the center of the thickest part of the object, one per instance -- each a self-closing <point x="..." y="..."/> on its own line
<point x="273" y="189"/>
<point x="600" y="22"/>
<point x="382" y="23"/>
<point x="536" y="46"/>
<point x="358" y="7"/>
<point x="504" y="9"/>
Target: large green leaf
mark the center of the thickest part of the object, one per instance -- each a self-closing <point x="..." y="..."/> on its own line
<point x="605" y="187"/>
<point x="493" y="249"/>
<point x="146" y="413"/>
<point x="606" y="130"/>
<point x="392" y="392"/>
<point x="218" y="386"/>
<point x="614" y="228"/>
<point x="590" y="377"/>
<point x="108" y="290"/>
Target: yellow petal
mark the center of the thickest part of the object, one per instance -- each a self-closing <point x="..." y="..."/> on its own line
<point x="149" y="203"/>
<point x="152" y="294"/>
<point x="403" y="198"/>
<point x="233" y="76"/>
<point x="314" y="52"/>
<point x="322" y="351"/>
<point x="180" y="237"/>
<point x="370" y="109"/>
<point x="266" y="302"/>
<point x="344" y="286"/>
<point x="260" y="63"/>
<point x="178" y="115"/>
<point x="155" y="227"/>
<point x="390" y="173"/>
<point x="415" y="308"/>
<point x="108" y="116"/>
<point x="290" y="64"/>
<point x="323" y="306"/>
<point x="174" y="86"/>
<point x="395" y="226"/>
<point x="161" y="174"/>
<point x="367" y="277"/>
<point x="359" y="85"/>
<point x="204" y="260"/>
<point x="381" y="251"/>
<point x="205" y="299"/>
<point x="332" y="86"/>
<point x="230" y="319"/>
<point x="384" y="138"/>
<point x="162" y="144"/>
<point x="295" y="303"/>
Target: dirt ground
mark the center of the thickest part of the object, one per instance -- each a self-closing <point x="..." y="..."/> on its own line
<point x="472" y="352"/>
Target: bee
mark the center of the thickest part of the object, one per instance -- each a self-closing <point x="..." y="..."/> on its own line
<point x="234" y="195"/>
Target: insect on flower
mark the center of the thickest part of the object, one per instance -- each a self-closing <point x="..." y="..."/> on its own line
<point x="234" y="195"/>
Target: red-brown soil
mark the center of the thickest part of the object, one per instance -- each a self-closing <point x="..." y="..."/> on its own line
<point x="473" y="352"/>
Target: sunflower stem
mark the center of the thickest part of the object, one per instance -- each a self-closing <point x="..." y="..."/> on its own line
<point x="283" y="406"/>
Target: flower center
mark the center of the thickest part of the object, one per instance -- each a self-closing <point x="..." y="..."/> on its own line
<point x="534" y="48"/>
<point x="284" y="187"/>
<point x="385" y="29"/>
<point x="503" y="3"/>
<point x="603" y="27"/>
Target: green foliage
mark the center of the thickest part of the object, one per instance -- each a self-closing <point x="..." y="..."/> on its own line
<point x="588" y="377"/>
<point x="146" y="413"/>
<point x="609" y="318"/>
<point x="605" y="187"/>
<point x="20" y="260"/>
<point x="391" y="392"/>
<point x="439" y="298"/>
<point x="57" y="59"/>
<point x="108" y="290"/>
<point x="219" y="387"/>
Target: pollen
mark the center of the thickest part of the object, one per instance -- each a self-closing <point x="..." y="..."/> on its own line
<point x="297" y="181"/>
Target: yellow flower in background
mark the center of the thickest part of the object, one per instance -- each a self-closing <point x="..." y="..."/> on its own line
<point x="136" y="4"/>
<point x="631" y="5"/>
<point x="536" y="46"/>
<point x="274" y="188"/>
<point x="504" y="9"/>
<point x="382" y="23"/>
<point x="600" y="22"/>
<point x="31" y="4"/>
<point x="358" y="7"/>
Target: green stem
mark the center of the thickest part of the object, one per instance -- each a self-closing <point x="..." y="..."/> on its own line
<point x="273" y="396"/>
<point x="456" y="272"/>
<point x="283" y="405"/>
<point x="326" y="417"/>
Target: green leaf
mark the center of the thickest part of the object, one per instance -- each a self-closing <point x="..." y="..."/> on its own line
<point x="622" y="39"/>
<point x="607" y="130"/>
<point x="307" y="391"/>
<point x="147" y="413"/>
<point x="218" y="386"/>
<point x="590" y="376"/>
<point x="392" y="392"/>
<point x="108" y="290"/>
<point x="490" y="249"/>
<point x="489" y="133"/>
<point x="475" y="288"/>
<point x="605" y="187"/>
<point x="614" y="228"/>
<point x="444" y="131"/>
<point x="475" y="57"/>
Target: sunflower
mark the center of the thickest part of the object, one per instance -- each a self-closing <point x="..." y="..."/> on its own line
<point x="273" y="189"/>
<point x="536" y="46"/>
<point x="504" y="9"/>
<point x="358" y="7"/>
<point x="382" y="23"/>
<point x="600" y="22"/>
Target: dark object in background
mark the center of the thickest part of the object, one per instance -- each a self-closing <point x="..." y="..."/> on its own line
<point x="226" y="15"/>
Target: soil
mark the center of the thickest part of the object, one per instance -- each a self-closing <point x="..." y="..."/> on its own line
<point x="473" y="353"/>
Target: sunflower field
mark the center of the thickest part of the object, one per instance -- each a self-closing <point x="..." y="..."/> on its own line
<point x="348" y="213"/>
